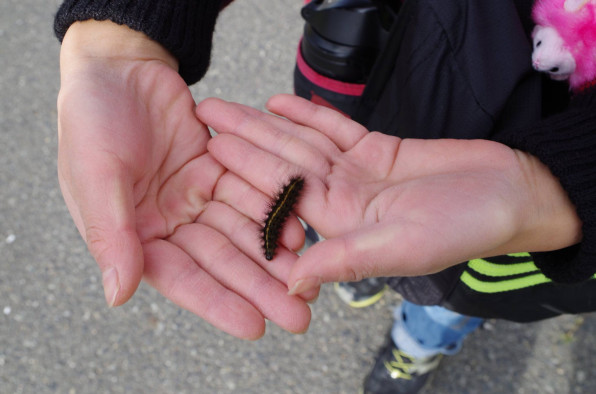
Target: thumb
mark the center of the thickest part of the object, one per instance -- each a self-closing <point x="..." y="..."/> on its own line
<point x="106" y="219"/>
<point x="327" y="261"/>
<point x="352" y="257"/>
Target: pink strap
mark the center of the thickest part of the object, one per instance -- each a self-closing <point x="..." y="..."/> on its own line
<point x="349" y="89"/>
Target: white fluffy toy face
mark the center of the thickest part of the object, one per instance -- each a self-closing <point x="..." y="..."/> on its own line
<point x="550" y="54"/>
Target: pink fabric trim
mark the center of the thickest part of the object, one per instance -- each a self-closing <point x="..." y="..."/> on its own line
<point x="349" y="89"/>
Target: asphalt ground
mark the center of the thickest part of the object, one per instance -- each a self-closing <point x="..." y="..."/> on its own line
<point x="58" y="336"/>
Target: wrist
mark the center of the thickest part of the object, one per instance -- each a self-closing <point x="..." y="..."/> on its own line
<point x="549" y="221"/>
<point x="92" y="41"/>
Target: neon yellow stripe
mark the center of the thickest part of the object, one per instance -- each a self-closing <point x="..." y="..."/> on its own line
<point x="499" y="287"/>
<point x="520" y="254"/>
<point x="491" y="269"/>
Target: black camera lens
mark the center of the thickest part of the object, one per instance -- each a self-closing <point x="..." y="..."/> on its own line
<point x="342" y="38"/>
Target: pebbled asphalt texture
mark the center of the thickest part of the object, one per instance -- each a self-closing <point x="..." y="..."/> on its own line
<point x="58" y="336"/>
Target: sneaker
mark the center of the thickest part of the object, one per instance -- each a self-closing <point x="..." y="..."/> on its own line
<point x="363" y="293"/>
<point x="396" y="372"/>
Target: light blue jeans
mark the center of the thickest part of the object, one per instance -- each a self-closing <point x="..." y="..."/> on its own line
<point x="424" y="331"/>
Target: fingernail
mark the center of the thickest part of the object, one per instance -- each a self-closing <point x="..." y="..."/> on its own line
<point x="111" y="285"/>
<point x="304" y="285"/>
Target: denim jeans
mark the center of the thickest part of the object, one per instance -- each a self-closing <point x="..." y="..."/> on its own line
<point x="424" y="331"/>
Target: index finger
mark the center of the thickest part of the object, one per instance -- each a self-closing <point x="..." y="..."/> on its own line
<point x="340" y="129"/>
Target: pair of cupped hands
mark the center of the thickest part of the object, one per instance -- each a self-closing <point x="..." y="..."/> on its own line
<point x="155" y="197"/>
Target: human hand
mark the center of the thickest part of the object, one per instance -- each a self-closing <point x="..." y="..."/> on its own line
<point x="391" y="207"/>
<point x="144" y="192"/>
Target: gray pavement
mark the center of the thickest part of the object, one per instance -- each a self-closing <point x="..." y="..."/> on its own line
<point x="57" y="335"/>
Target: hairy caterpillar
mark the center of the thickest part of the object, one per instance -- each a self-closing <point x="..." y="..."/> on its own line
<point x="280" y="209"/>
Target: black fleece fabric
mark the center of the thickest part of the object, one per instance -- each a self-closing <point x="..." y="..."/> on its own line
<point x="184" y="27"/>
<point x="565" y="142"/>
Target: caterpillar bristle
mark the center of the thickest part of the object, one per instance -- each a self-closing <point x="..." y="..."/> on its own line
<point x="279" y="209"/>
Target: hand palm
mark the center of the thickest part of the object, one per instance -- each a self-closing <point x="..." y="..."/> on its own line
<point x="388" y="207"/>
<point x="139" y="183"/>
<point x="417" y="212"/>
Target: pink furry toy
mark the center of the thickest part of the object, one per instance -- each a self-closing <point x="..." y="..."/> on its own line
<point x="565" y="40"/>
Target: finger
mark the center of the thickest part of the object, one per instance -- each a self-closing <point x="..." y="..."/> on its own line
<point x="269" y="174"/>
<point x="344" y="132"/>
<point x="71" y="204"/>
<point x="260" y="168"/>
<point x="229" y="266"/>
<point x="261" y="131"/>
<point x="104" y="200"/>
<point x="186" y="193"/>
<point x="175" y="275"/>
<point x="246" y="235"/>
<point x="312" y="137"/>
<point x="374" y="252"/>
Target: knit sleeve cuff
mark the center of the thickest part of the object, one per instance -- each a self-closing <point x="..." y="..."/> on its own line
<point x="184" y="27"/>
<point x="566" y="143"/>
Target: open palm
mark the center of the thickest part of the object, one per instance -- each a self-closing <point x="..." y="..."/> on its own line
<point x="143" y="192"/>
<point x="390" y="207"/>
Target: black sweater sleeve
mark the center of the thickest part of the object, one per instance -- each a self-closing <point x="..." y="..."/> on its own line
<point x="566" y="143"/>
<point x="184" y="27"/>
